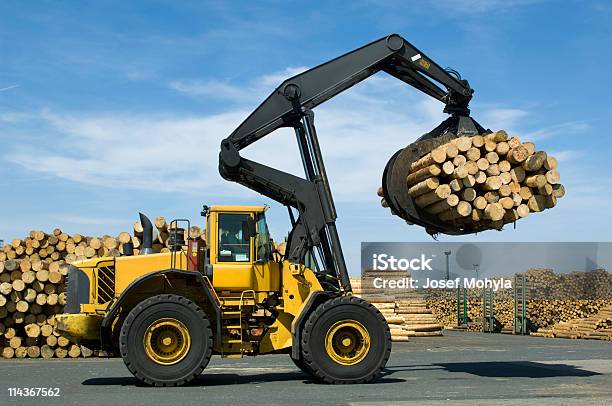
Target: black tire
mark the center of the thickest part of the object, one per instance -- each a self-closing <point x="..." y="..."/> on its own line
<point x="302" y="366"/>
<point x="326" y="315"/>
<point x="132" y="347"/>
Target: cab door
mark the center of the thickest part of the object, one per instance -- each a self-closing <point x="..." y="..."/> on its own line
<point x="232" y="252"/>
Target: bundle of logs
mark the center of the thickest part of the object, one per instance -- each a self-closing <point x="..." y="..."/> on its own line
<point x="546" y="284"/>
<point x="597" y="326"/>
<point x="483" y="182"/>
<point x="552" y="298"/>
<point x="33" y="282"/>
<point x="540" y="313"/>
<point x="406" y="313"/>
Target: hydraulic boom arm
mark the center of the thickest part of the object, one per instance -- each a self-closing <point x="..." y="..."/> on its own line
<point x="290" y="105"/>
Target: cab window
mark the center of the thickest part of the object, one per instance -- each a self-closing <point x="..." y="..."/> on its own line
<point x="264" y="246"/>
<point x="233" y="245"/>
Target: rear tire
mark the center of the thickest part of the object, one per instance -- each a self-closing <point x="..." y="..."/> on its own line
<point x="346" y="340"/>
<point x="166" y="340"/>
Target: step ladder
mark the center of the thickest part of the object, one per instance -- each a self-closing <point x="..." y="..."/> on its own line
<point x="233" y="311"/>
<point x="462" y="317"/>
<point x="488" y="311"/>
<point x="520" y="304"/>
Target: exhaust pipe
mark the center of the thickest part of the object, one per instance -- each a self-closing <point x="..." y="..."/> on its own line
<point x="147" y="235"/>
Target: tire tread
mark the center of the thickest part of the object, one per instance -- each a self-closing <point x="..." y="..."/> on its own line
<point x="137" y="310"/>
<point x="317" y="372"/>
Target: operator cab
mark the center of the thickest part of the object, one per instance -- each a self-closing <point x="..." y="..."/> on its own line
<point x="240" y="249"/>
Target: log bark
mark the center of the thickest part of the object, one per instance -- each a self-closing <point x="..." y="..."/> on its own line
<point x="536" y="203"/>
<point x="422" y="174"/>
<point x="558" y="190"/>
<point x="535" y="181"/>
<point x="497" y="136"/>
<point x="436" y="156"/>
<point x="535" y="161"/>
<point x="423" y="187"/>
<point x="444" y="205"/>
<point x="441" y="192"/>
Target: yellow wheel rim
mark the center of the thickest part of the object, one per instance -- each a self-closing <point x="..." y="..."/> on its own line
<point x="167" y="341"/>
<point x="347" y="342"/>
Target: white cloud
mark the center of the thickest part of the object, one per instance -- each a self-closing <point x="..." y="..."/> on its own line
<point x="567" y="155"/>
<point x="358" y="133"/>
<point x="502" y="118"/>
<point x="246" y="94"/>
<point x="208" y="88"/>
<point x="4" y="89"/>
<point x="564" y="128"/>
<point x="129" y="151"/>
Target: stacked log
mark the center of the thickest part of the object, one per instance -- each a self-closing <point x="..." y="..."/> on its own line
<point x="552" y="299"/>
<point x="483" y="182"/>
<point x="418" y="318"/>
<point x="388" y="308"/>
<point x="33" y="282"/>
<point x="597" y="326"/>
<point x="405" y="310"/>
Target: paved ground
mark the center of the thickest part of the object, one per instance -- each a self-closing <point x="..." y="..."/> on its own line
<point x="458" y="369"/>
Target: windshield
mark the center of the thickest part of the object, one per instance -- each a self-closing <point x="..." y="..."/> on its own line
<point x="233" y="245"/>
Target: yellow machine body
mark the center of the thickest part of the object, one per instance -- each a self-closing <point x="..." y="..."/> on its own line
<point x="244" y="275"/>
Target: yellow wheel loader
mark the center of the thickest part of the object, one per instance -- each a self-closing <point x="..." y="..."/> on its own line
<point x="167" y="314"/>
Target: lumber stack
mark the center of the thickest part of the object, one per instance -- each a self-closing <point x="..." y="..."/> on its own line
<point x="483" y="182"/>
<point x="418" y="318"/>
<point x="33" y="282"/>
<point x="553" y="299"/>
<point x="32" y="292"/>
<point x="405" y="310"/>
<point x="597" y="326"/>
<point x="546" y="284"/>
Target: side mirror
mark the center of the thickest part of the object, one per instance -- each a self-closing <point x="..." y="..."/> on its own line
<point x="249" y="228"/>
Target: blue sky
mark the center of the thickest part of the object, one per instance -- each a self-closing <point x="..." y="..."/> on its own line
<point x="108" y="108"/>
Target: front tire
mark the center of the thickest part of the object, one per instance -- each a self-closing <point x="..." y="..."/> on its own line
<point x="166" y="340"/>
<point x="346" y="340"/>
<point x="302" y="366"/>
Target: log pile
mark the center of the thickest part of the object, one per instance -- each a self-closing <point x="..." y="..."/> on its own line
<point x="405" y="310"/>
<point x="546" y="284"/>
<point x="33" y="282"/>
<point x="483" y="182"/>
<point x="597" y="326"/>
<point x="553" y="299"/>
